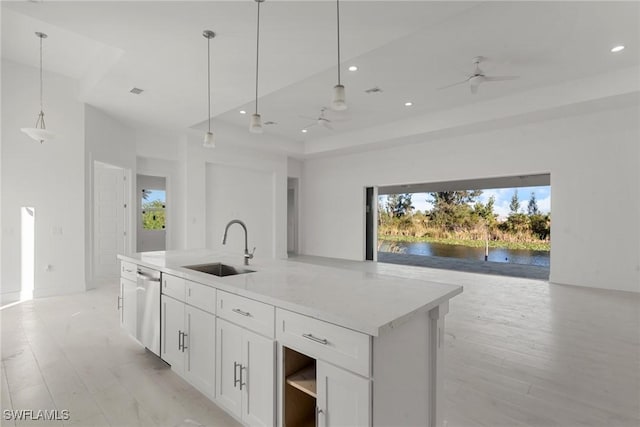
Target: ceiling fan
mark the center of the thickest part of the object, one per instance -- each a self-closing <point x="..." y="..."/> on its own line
<point x="321" y="120"/>
<point x="478" y="77"/>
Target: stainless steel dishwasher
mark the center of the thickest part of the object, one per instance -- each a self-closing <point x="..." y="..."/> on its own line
<point x="148" y="310"/>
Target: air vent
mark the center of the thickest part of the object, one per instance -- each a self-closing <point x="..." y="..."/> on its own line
<point x="374" y="90"/>
<point x="270" y="123"/>
<point x="136" y="91"/>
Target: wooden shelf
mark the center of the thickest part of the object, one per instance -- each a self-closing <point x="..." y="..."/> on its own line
<point x="304" y="380"/>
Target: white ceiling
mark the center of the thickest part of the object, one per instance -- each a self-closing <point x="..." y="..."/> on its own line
<point x="408" y="49"/>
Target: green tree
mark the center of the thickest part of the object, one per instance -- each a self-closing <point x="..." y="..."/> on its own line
<point x="399" y="205"/>
<point x="514" y="206"/>
<point x="153" y="215"/>
<point x="532" y="207"/>
<point x="541" y="226"/>
<point x="452" y="209"/>
<point x="485" y="211"/>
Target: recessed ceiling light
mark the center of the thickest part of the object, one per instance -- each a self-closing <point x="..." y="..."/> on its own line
<point x="617" y="49"/>
<point x="353" y="68"/>
<point x="136" y="91"/>
<point x="243" y="112"/>
<point x="408" y="104"/>
<point x="304" y="131"/>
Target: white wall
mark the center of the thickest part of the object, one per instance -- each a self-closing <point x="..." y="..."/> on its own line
<point x="247" y="194"/>
<point x="162" y="154"/>
<point x="245" y="172"/>
<point x="109" y="141"/>
<point x="594" y="164"/>
<point x="48" y="176"/>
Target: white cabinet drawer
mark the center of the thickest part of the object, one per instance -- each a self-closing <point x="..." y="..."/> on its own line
<point x="201" y="296"/>
<point x="325" y="341"/>
<point x="251" y="314"/>
<point x="128" y="270"/>
<point x="173" y="286"/>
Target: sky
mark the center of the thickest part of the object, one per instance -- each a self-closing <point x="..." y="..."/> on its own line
<point x="502" y="199"/>
<point x="156" y="195"/>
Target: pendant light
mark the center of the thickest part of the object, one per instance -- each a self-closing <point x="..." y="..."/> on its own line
<point x="255" y="126"/>
<point x="40" y="132"/>
<point x="209" y="140"/>
<point x="339" y="102"/>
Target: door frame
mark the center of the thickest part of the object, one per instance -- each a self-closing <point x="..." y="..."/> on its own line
<point x="293" y="185"/>
<point x="370" y="223"/>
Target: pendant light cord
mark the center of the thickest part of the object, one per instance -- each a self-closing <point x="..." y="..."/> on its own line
<point x="41" y="91"/>
<point x="338" y="27"/>
<point x="257" y="54"/>
<point x="209" y="79"/>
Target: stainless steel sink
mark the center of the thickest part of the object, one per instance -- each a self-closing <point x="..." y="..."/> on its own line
<point x="218" y="269"/>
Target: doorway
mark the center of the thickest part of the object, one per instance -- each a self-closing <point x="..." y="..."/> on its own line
<point x="27" y="252"/>
<point x="491" y="225"/>
<point x="292" y="216"/>
<point x="152" y="213"/>
<point x="370" y="224"/>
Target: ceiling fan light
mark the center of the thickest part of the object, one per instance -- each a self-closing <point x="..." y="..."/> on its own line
<point x="38" y="134"/>
<point x="339" y="102"/>
<point x="255" y="126"/>
<point x="209" y="140"/>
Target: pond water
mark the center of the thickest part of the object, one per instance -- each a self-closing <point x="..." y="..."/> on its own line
<point x="516" y="256"/>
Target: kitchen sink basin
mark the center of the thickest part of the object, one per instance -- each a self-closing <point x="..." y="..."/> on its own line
<point x="218" y="269"/>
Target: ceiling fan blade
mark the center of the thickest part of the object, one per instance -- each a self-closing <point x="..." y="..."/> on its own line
<point x="307" y="117"/>
<point x="500" y="78"/>
<point x="327" y="125"/>
<point x="454" y="84"/>
<point x="474" y="89"/>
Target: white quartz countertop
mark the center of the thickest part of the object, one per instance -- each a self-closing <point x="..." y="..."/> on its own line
<point x="364" y="296"/>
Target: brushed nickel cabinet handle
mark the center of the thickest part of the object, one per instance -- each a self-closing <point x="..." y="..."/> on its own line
<point x="244" y="313"/>
<point x="322" y="341"/>
<point x="242" y="383"/>
<point x="235" y="374"/>
<point x="184" y="346"/>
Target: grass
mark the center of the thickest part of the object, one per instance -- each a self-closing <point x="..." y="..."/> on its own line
<point x="534" y="246"/>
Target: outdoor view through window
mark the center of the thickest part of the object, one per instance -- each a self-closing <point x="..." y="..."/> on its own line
<point x="153" y="209"/>
<point x="500" y="225"/>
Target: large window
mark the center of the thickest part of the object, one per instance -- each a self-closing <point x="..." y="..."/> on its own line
<point x="511" y="225"/>
<point x="153" y="210"/>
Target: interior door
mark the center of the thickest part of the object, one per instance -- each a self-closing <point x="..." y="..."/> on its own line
<point x="343" y="398"/>
<point x="201" y="362"/>
<point x="259" y="378"/>
<point x="229" y="361"/>
<point x="109" y="220"/>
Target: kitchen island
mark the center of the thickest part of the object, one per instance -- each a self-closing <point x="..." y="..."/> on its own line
<point x="297" y="343"/>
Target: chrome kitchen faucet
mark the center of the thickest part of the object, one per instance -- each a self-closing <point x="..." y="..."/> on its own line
<point x="247" y="255"/>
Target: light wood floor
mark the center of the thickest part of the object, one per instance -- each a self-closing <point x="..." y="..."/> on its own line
<point x="526" y="353"/>
<point x="520" y="352"/>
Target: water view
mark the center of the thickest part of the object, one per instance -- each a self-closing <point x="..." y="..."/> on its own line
<point x="516" y="256"/>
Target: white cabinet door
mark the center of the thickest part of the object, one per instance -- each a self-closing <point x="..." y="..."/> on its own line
<point x="343" y="398"/>
<point x="229" y="362"/>
<point x="128" y="306"/>
<point x="200" y="354"/>
<point x="258" y="375"/>
<point x="172" y="330"/>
